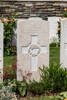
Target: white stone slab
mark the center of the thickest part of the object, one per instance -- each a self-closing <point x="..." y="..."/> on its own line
<point x="63" y="54"/>
<point x="32" y="47"/>
<point x="52" y="29"/>
<point x="53" y="25"/>
<point x="1" y="51"/>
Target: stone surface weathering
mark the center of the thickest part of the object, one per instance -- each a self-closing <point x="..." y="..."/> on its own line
<point x="63" y="50"/>
<point x="32" y="47"/>
<point x="1" y="51"/>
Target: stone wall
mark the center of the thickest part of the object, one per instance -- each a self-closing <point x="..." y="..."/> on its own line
<point x="25" y="9"/>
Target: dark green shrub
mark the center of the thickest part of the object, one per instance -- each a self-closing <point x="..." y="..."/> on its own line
<point x="9" y="30"/>
<point x="19" y="87"/>
<point x="54" y="78"/>
<point x="35" y="87"/>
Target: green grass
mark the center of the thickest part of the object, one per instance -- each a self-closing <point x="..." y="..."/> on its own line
<point x="8" y="60"/>
<point x="54" y="57"/>
<point x="45" y="98"/>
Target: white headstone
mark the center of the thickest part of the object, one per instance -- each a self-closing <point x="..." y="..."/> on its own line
<point x="32" y="47"/>
<point x="53" y="25"/>
<point x="1" y="51"/>
<point x="63" y="54"/>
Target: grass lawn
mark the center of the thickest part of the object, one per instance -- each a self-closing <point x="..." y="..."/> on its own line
<point x="54" y="57"/>
<point x="44" y="98"/>
<point x="9" y="60"/>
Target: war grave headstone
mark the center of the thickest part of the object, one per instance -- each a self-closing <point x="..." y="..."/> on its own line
<point x="53" y="27"/>
<point x="1" y="51"/>
<point x="63" y="50"/>
<point x="32" y="47"/>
